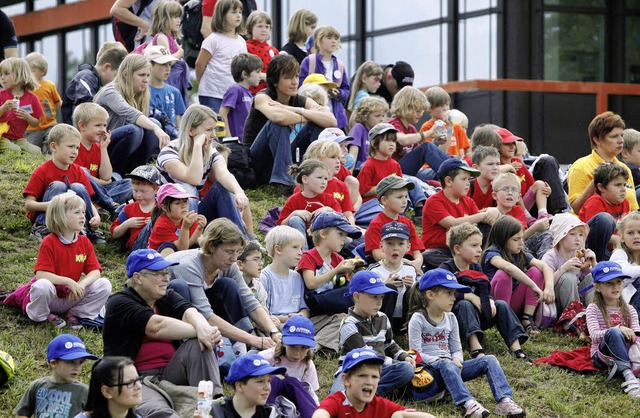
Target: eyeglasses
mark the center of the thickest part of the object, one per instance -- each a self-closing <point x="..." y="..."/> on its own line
<point x="158" y="273"/>
<point x="130" y="384"/>
<point x="513" y="190"/>
<point x="232" y="253"/>
<point x="257" y="260"/>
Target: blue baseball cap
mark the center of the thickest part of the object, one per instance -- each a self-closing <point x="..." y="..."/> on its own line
<point x="452" y="163"/>
<point x="146" y="259"/>
<point x="394" y="230"/>
<point x="328" y="219"/>
<point x="366" y="281"/>
<point x="605" y="271"/>
<point x="441" y="277"/>
<point x="358" y="355"/>
<point x="298" y="330"/>
<point x="68" y="347"/>
<point x="251" y="365"/>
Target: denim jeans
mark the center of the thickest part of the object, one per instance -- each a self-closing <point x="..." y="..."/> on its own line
<point x="271" y="155"/>
<point x="119" y="191"/>
<point x="299" y="224"/>
<point x="601" y="227"/>
<point x="453" y="378"/>
<point x="394" y="378"/>
<point x="614" y="344"/>
<point x="505" y="320"/>
<point x="416" y="195"/>
<point x="427" y="174"/>
<point x="59" y="187"/>
<point x="427" y="153"/>
<point x="219" y="203"/>
<point x="130" y="147"/>
<point x="211" y="102"/>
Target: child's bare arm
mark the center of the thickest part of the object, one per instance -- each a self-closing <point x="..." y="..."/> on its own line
<point x="313" y="282"/>
<point x="320" y="413"/>
<point x="105" y="170"/>
<point x="89" y="278"/>
<point x="224" y="112"/>
<point x="411" y="414"/>
<point x="32" y="205"/>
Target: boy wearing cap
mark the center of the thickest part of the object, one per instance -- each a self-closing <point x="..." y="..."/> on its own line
<point x="361" y="370"/>
<point x="395" y="77"/>
<point x="61" y="394"/>
<point x="164" y="97"/>
<point x="145" y="181"/>
<point x="449" y="207"/>
<point x="392" y="193"/>
<point x="91" y="121"/>
<point x="323" y="269"/>
<point x="433" y="333"/>
<point x="366" y="326"/>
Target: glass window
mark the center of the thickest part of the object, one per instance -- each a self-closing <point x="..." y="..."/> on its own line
<point x="478" y="52"/>
<point x="574" y="47"/>
<point x="466" y="6"/>
<point x="16" y="9"/>
<point x="105" y="34"/>
<point x="600" y="3"/>
<point x="337" y="13"/>
<point x="382" y="14"/>
<point x="44" y="4"/>
<point x="48" y="46"/>
<point x="429" y="62"/>
<point x="632" y="64"/>
<point x="264" y="5"/>
<point x="79" y="51"/>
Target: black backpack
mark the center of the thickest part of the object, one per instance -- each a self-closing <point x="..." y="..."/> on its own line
<point x="124" y="32"/>
<point x="191" y="24"/>
<point x="239" y="163"/>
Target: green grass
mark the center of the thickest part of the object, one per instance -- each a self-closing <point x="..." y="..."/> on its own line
<point x="545" y="391"/>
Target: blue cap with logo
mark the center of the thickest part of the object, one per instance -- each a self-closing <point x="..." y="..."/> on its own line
<point x="298" y="330"/>
<point x="328" y="219"/>
<point x="605" y="271"/>
<point x="452" y="163"/>
<point x="146" y="259"/>
<point x="251" y="365"/>
<point x="366" y="281"/>
<point x="68" y="347"/>
<point x="394" y="230"/>
<point x="358" y="355"/>
<point x="441" y="277"/>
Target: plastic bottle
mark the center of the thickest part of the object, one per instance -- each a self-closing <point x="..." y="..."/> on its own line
<point x="205" y="397"/>
<point x="441" y="128"/>
<point x="16" y="100"/>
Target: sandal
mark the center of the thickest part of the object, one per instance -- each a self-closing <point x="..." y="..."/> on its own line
<point x="477" y="353"/>
<point x="521" y="355"/>
<point x="530" y="327"/>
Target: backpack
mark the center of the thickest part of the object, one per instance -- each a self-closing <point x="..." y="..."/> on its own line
<point x="190" y="26"/>
<point x="239" y="163"/>
<point x="126" y="33"/>
<point x="481" y="287"/>
<point x="573" y="320"/>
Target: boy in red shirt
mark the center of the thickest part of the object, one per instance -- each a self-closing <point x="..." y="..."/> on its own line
<point x="487" y="161"/>
<point x="57" y="176"/>
<point x="392" y="192"/>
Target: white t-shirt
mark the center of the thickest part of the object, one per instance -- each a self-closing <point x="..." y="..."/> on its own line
<point x="384" y="272"/>
<point x="217" y="78"/>
<point x="285" y="295"/>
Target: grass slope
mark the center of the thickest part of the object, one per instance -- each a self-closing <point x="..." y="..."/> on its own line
<point x="544" y="391"/>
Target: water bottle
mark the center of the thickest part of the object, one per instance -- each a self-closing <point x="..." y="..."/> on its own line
<point x="16" y="100"/>
<point x="205" y="397"/>
<point x="441" y="128"/>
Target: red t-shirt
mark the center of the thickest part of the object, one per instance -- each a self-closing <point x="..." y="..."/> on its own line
<point x="482" y="200"/>
<point x="132" y="210"/>
<point x="518" y="213"/>
<point x="435" y="209"/>
<point x="164" y="230"/>
<point x="265" y="52"/>
<point x="339" y="191"/>
<point x="338" y="406"/>
<point x="373" y="171"/>
<point x="343" y="173"/>
<point x="298" y="202"/>
<point x="207" y="7"/>
<point x="402" y="150"/>
<point x="46" y="173"/>
<point x="17" y="126"/>
<point x="596" y="204"/>
<point x="67" y="260"/>
<point x="374" y="233"/>
<point x="526" y="179"/>
<point x="89" y="158"/>
<point x="312" y="260"/>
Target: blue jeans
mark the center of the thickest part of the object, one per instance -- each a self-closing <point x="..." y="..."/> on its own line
<point x="119" y="191"/>
<point x="219" y="203"/>
<point x="453" y="378"/>
<point x="427" y="153"/>
<point x="394" y="378"/>
<point x="130" y="147"/>
<point x="416" y="195"/>
<point x="614" y="344"/>
<point x="271" y="155"/>
<point x="601" y="227"/>
<point x="299" y="224"/>
<point x="211" y="102"/>
<point x="59" y="187"/>
<point x="505" y="320"/>
<point x="427" y="174"/>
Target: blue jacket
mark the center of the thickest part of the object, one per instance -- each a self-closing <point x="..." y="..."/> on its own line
<point x="81" y="90"/>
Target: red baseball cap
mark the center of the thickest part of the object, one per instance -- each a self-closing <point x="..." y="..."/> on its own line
<point x="507" y="136"/>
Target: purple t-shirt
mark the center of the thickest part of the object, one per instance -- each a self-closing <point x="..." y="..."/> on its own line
<point x="360" y="136"/>
<point x="239" y="100"/>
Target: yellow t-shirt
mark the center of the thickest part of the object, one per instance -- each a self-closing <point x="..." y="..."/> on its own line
<point x="48" y="95"/>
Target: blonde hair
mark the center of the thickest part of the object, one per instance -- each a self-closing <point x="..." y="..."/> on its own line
<point x="56" y="218"/>
<point x="458" y="234"/>
<point x="62" y="131"/>
<point x="220" y="12"/>
<point x="408" y="100"/>
<point x="622" y="225"/>
<point x="298" y="22"/>
<point x="195" y="116"/>
<point x="325" y="32"/>
<point x="36" y="59"/>
<point x="86" y="112"/>
<point x="366" y="107"/>
<point x="437" y="96"/>
<point x="366" y="69"/>
<point x="161" y="16"/>
<point x="282" y="235"/>
<point x="315" y="92"/>
<point x="631" y="138"/>
<point x="21" y="73"/>
<point x="220" y="231"/>
<point x="504" y="177"/>
<point x="322" y="149"/>
<point x="306" y="168"/>
<point x="123" y="82"/>
<point x="255" y="17"/>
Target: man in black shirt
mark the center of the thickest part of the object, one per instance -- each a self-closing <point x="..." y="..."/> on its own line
<point x="8" y="38"/>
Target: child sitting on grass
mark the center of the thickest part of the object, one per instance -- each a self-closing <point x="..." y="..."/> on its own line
<point x="49" y="99"/>
<point x="370" y="112"/>
<point x="487" y="161"/>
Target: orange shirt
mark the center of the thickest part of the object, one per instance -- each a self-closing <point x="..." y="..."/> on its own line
<point x="459" y="139"/>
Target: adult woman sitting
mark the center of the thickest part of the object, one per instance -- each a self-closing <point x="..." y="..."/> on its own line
<point x="215" y="287"/>
<point x="191" y="160"/>
<point x="605" y="134"/>
<point x="273" y="112"/>
<point x="134" y="136"/>
<point x="114" y="389"/>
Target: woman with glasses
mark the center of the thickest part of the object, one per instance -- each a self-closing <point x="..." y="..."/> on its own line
<point x="114" y="390"/>
<point x="211" y="281"/>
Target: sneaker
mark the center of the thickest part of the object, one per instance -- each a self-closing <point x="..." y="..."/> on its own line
<point x="96" y="237"/>
<point x="632" y="388"/>
<point x="74" y="322"/>
<point x="38" y="232"/>
<point x="507" y="407"/>
<point x="113" y="211"/>
<point x="105" y="215"/>
<point x="476" y="410"/>
<point x="56" y="320"/>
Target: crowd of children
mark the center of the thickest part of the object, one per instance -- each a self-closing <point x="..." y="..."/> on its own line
<point x="349" y="271"/>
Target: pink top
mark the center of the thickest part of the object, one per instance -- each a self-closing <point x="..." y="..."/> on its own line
<point x="597" y="325"/>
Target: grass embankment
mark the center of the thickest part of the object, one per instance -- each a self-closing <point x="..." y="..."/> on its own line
<point x="544" y="391"/>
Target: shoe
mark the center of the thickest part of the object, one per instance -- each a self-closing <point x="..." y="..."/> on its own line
<point x="521" y="355"/>
<point x="56" y="320"/>
<point x="113" y="211"/>
<point x="631" y="388"/>
<point x="96" y="237"/>
<point x="507" y="407"/>
<point x="105" y="215"/>
<point x="38" y="232"/>
<point x="74" y="322"/>
<point x="476" y="410"/>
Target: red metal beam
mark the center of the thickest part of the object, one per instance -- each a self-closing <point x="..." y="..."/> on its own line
<point x="61" y="17"/>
